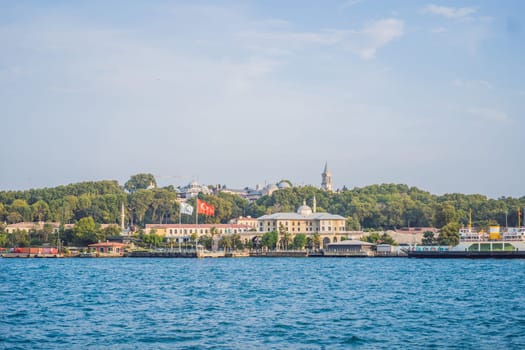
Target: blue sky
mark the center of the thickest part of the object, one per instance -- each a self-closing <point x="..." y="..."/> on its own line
<point x="430" y="94"/>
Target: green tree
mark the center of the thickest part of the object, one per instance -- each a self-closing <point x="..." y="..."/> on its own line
<point x="152" y="240"/>
<point x="111" y="231"/>
<point x="206" y="241"/>
<point x="237" y="242"/>
<point x="299" y="241"/>
<point x="140" y="202"/>
<point x="316" y="241"/>
<point x="14" y="217"/>
<point x="449" y="234"/>
<point x="19" y="238"/>
<point x="379" y="238"/>
<point x="86" y="231"/>
<point x="21" y="207"/>
<point x="269" y="239"/>
<point x="140" y="182"/>
<point x="286" y="239"/>
<point x="226" y="242"/>
<point x="40" y="211"/>
<point x="428" y="238"/>
<point x="445" y="213"/>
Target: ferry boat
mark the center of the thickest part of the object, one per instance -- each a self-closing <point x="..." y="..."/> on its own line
<point x="508" y="244"/>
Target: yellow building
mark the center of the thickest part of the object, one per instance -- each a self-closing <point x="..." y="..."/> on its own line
<point x="330" y="227"/>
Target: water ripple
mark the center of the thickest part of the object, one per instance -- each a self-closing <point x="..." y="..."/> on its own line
<point x="261" y="303"/>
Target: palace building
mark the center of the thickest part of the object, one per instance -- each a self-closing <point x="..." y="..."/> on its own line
<point x="330" y="228"/>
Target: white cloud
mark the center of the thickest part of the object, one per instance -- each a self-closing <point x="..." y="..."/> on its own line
<point x="489" y="114"/>
<point x="450" y="12"/>
<point x="379" y="33"/>
<point x="364" y="42"/>
<point x="472" y="83"/>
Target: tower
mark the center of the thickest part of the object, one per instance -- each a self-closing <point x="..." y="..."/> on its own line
<point x="122" y="217"/>
<point x="326" y="184"/>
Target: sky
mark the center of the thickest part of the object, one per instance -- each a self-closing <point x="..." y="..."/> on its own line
<point x="239" y="93"/>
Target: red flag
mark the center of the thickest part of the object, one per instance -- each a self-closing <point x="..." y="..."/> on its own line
<point x="205" y="208"/>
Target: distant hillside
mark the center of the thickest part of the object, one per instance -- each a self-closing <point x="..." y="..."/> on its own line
<point x="385" y="206"/>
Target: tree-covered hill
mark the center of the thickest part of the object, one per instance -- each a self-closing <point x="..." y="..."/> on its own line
<point x="384" y="206"/>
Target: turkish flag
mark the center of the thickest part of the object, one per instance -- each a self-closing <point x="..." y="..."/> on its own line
<point x="205" y="208"/>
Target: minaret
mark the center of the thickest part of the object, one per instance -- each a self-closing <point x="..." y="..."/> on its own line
<point x="315" y="205"/>
<point x="326" y="184"/>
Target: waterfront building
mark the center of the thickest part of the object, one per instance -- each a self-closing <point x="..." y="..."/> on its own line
<point x="330" y="228"/>
<point x="182" y="232"/>
<point x="108" y="248"/>
<point x="35" y="226"/>
<point x="326" y="183"/>
<point x="186" y="230"/>
<point x="246" y="221"/>
<point x="350" y="246"/>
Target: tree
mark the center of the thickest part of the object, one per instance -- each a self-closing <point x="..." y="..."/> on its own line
<point x="19" y="238"/>
<point x="379" y="238"/>
<point x="140" y="182"/>
<point x="226" y="242"/>
<point x="206" y="241"/>
<point x="111" y="231"/>
<point x="21" y="207"/>
<point x="140" y="202"/>
<point x="428" y="238"/>
<point x="316" y="241"/>
<point x="286" y="239"/>
<point x="449" y="234"/>
<point x="269" y="239"/>
<point x="40" y="211"/>
<point x="14" y="217"/>
<point x="237" y="242"/>
<point x="299" y="241"/>
<point x="445" y="214"/>
<point x="47" y="231"/>
<point x="86" y="231"/>
<point x="152" y="239"/>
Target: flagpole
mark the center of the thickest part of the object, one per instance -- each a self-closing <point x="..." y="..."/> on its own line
<point x="196" y="221"/>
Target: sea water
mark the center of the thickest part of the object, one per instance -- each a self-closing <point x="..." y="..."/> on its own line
<point x="262" y="303"/>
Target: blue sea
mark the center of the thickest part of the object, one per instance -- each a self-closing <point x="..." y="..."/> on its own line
<point x="262" y="303"/>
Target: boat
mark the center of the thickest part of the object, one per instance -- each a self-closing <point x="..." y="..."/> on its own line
<point x="508" y="243"/>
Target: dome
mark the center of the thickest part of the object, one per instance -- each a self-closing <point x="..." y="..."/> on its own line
<point x="304" y="210"/>
<point x="283" y="184"/>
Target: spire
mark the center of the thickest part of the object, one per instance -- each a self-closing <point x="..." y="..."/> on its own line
<point x="326" y="170"/>
<point x="326" y="183"/>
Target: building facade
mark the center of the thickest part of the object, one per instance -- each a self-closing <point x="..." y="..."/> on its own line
<point x="330" y="228"/>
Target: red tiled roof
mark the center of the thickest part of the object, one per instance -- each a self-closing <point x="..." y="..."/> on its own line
<point x="196" y="226"/>
<point x="107" y="244"/>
